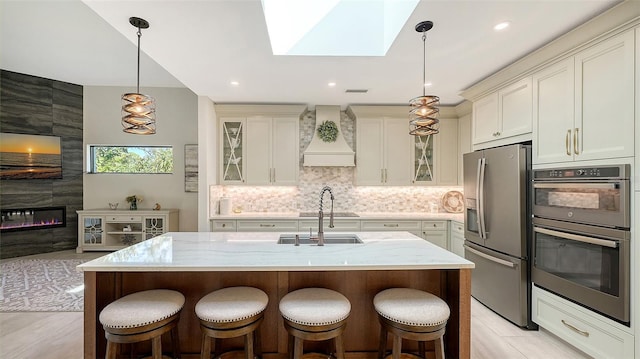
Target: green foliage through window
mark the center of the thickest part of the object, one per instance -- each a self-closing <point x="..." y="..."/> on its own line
<point x="130" y="159"/>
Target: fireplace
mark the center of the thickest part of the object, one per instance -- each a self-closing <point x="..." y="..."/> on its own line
<point x="21" y="219"/>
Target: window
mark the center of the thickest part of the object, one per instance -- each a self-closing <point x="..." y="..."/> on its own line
<point x="130" y="159"/>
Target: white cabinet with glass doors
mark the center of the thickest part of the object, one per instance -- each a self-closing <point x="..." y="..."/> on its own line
<point x="259" y="144"/>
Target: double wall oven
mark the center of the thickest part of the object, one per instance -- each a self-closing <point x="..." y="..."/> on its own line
<point x="581" y="232"/>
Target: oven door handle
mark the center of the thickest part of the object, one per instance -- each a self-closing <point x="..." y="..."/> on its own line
<point x="577" y="185"/>
<point x="576" y="237"/>
<point x="491" y="258"/>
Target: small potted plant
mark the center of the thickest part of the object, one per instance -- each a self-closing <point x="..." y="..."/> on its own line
<point x="133" y="201"/>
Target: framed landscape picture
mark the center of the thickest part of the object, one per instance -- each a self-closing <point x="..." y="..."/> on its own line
<point x="30" y="157"/>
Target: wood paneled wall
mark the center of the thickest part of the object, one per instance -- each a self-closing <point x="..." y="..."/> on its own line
<point x="35" y="105"/>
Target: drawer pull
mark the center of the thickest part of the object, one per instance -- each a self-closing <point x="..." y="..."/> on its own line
<point x="267" y="225"/>
<point x="581" y="332"/>
<point x="391" y="225"/>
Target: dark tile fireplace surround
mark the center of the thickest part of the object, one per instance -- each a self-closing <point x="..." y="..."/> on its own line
<point x="40" y="106"/>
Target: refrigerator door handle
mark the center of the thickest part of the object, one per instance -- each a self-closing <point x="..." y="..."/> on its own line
<point x="491" y="258"/>
<point x="482" y="163"/>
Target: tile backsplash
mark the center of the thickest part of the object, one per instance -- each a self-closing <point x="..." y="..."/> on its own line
<point x="348" y="198"/>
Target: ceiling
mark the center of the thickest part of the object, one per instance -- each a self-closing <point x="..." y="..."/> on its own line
<point x="205" y="44"/>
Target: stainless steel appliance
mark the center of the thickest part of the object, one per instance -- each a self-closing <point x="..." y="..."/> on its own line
<point x="581" y="236"/>
<point x="498" y="229"/>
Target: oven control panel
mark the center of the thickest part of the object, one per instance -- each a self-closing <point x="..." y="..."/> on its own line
<point x="603" y="172"/>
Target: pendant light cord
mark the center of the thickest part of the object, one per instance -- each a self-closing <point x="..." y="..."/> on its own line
<point x="424" y="63"/>
<point x="138" y="83"/>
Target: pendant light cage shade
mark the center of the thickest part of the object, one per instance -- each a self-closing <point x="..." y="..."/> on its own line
<point x="138" y="110"/>
<point x="424" y="109"/>
<point x="138" y="114"/>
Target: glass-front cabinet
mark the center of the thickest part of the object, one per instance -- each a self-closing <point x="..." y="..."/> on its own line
<point x="423" y="165"/>
<point x="232" y="140"/>
<point x="92" y="231"/>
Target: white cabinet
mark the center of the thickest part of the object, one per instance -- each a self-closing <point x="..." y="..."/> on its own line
<point x="586" y="330"/>
<point x="464" y="143"/>
<point x="553" y="90"/>
<point x="259" y="144"/>
<point x="339" y="225"/>
<point x="108" y="230"/>
<point x="412" y="226"/>
<point x="436" y="232"/>
<point x="584" y="105"/>
<point x="267" y="225"/>
<point x="383" y="153"/>
<point x="504" y="116"/>
<point x="272" y="151"/>
<point x="456" y="243"/>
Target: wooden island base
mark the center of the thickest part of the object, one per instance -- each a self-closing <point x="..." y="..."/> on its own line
<point x="359" y="286"/>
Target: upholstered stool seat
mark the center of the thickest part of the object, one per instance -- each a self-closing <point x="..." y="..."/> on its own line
<point x="411" y="314"/>
<point x="229" y="313"/>
<point x="140" y="316"/>
<point x="314" y="314"/>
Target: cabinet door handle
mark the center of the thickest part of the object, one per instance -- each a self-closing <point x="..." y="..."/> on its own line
<point x="274" y="175"/>
<point x="382" y="175"/>
<point x="267" y="225"/>
<point x="581" y="332"/>
<point x="575" y="142"/>
<point x="567" y="140"/>
<point x="391" y="225"/>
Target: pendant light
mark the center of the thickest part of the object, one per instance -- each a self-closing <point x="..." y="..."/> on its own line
<point x="424" y="110"/>
<point x="138" y="110"/>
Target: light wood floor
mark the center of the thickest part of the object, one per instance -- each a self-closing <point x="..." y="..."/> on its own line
<point x="58" y="335"/>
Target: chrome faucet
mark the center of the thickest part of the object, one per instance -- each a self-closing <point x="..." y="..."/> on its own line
<point x="321" y="215"/>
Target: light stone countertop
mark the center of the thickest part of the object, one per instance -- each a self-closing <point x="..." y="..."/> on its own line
<point x="422" y="216"/>
<point x="258" y="251"/>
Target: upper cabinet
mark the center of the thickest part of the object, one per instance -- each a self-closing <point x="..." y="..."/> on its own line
<point x="383" y="151"/>
<point x="259" y="144"/>
<point x="584" y="105"/>
<point x="386" y="154"/>
<point x="504" y="116"/>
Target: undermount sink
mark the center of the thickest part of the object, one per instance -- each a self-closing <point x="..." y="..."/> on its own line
<point x="329" y="238"/>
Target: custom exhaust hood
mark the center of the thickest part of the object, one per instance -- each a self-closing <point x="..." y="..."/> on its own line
<point x="328" y="153"/>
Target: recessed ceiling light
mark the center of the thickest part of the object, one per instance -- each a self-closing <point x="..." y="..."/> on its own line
<point x="332" y="84"/>
<point x="502" y="26"/>
<point x="235" y="83"/>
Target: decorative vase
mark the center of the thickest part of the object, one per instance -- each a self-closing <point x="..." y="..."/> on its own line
<point x="134" y="205"/>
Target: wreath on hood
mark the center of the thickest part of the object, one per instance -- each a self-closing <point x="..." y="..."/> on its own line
<point x="328" y="131"/>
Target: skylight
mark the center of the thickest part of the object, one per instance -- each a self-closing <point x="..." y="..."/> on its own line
<point x="335" y="27"/>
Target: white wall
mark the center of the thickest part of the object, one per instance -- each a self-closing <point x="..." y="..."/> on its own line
<point x="177" y="125"/>
<point x="207" y="158"/>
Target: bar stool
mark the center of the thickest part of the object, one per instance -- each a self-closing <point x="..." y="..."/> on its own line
<point x="142" y="316"/>
<point x="314" y="314"/>
<point x="411" y="314"/>
<point x="229" y="313"/>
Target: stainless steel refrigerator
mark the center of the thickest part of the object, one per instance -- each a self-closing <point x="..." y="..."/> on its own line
<point x="498" y="229"/>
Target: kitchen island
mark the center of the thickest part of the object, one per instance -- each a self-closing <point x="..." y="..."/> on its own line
<point x="198" y="263"/>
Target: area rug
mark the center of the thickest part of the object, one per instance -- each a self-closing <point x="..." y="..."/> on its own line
<point x="41" y="285"/>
